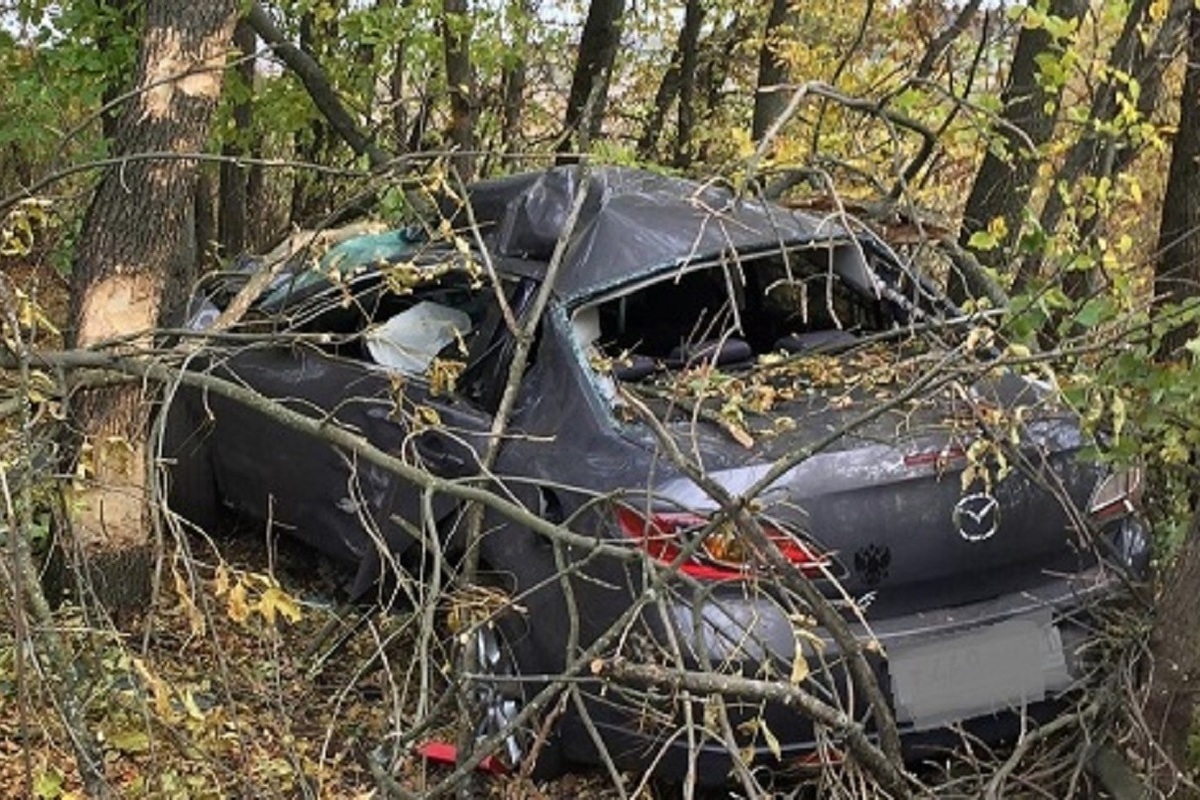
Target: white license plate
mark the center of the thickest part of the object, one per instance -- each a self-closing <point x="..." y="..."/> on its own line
<point x="989" y="669"/>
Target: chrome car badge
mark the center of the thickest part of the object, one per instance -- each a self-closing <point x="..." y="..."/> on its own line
<point x="976" y="516"/>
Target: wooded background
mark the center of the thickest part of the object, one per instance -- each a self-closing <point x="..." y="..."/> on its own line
<point x="1037" y="157"/>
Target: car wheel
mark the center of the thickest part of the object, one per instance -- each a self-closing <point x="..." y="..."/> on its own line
<point x="498" y="695"/>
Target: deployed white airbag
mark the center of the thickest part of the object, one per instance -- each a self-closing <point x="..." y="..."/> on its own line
<point x="409" y="341"/>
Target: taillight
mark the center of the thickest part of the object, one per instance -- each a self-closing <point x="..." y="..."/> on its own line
<point x="1118" y="494"/>
<point x="723" y="553"/>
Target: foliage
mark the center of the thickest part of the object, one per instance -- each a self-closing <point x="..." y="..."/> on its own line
<point x="895" y="145"/>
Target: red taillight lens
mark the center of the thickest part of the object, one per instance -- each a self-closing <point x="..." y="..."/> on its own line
<point x="722" y="555"/>
<point x="1118" y="494"/>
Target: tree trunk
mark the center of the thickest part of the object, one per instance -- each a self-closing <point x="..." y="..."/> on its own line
<point x="772" y="71"/>
<point x="1004" y="182"/>
<point x="1177" y="273"/>
<point x="718" y="54"/>
<point x="668" y="90"/>
<point x="689" y="58"/>
<point x="460" y="84"/>
<point x="593" y="69"/>
<point x="516" y="77"/>
<point x="233" y="210"/>
<point x="1175" y="662"/>
<point x="133" y="261"/>
<point x="399" y="111"/>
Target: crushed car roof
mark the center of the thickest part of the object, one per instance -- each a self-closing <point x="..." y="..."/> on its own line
<point x="632" y="224"/>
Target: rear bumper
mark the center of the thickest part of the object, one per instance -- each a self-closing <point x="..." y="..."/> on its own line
<point x="987" y="667"/>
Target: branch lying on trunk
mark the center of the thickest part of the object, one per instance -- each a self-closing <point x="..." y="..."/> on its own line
<point x="317" y="83"/>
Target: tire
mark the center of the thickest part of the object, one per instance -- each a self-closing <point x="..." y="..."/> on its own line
<point x="499" y="693"/>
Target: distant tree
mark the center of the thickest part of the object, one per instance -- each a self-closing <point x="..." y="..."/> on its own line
<point x="1005" y="181"/>
<point x="460" y="83"/>
<point x="1108" y="142"/>
<point x="133" y="262"/>
<point x="593" y="69"/>
<point x="233" y="208"/>
<point x="679" y="82"/>
<point x="772" y="71"/>
<point x="689" y="60"/>
<point x="1177" y="270"/>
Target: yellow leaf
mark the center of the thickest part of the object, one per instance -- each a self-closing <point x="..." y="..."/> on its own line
<point x="277" y="601"/>
<point x="427" y="415"/>
<point x="189" y="705"/>
<point x="162" y="697"/>
<point x="769" y="738"/>
<point x="221" y="580"/>
<point x="237" y="606"/>
<point x="1119" y="416"/>
<point x="799" y="666"/>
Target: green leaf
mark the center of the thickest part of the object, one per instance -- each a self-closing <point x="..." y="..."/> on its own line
<point x="982" y="240"/>
<point x="130" y="741"/>
<point x="48" y="785"/>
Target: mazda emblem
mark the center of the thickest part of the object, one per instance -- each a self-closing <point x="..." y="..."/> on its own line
<point x="976" y="516"/>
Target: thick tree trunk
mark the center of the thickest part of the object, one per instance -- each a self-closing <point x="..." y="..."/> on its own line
<point x="593" y="69"/>
<point x="772" y="71"/>
<point x="1177" y="273"/>
<point x="233" y="210"/>
<point x="460" y="84"/>
<point x="1175" y="663"/>
<point x="133" y="260"/>
<point x="1004" y="183"/>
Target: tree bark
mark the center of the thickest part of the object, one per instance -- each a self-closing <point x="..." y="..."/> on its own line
<point x="460" y="84"/>
<point x="1175" y="663"/>
<point x="233" y="211"/>
<point x="593" y="69"/>
<point x="772" y="71"/>
<point x="133" y="262"/>
<point x="689" y="58"/>
<point x="1004" y="183"/>
<point x="668" y="90"/>
<point x="1177" y="273"/>
<point x="516" y="77"/>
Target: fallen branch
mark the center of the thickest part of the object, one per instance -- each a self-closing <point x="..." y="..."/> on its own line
<point x="891" y="779"/>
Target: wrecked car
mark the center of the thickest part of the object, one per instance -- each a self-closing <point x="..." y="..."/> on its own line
<point x="938" y="500"/>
